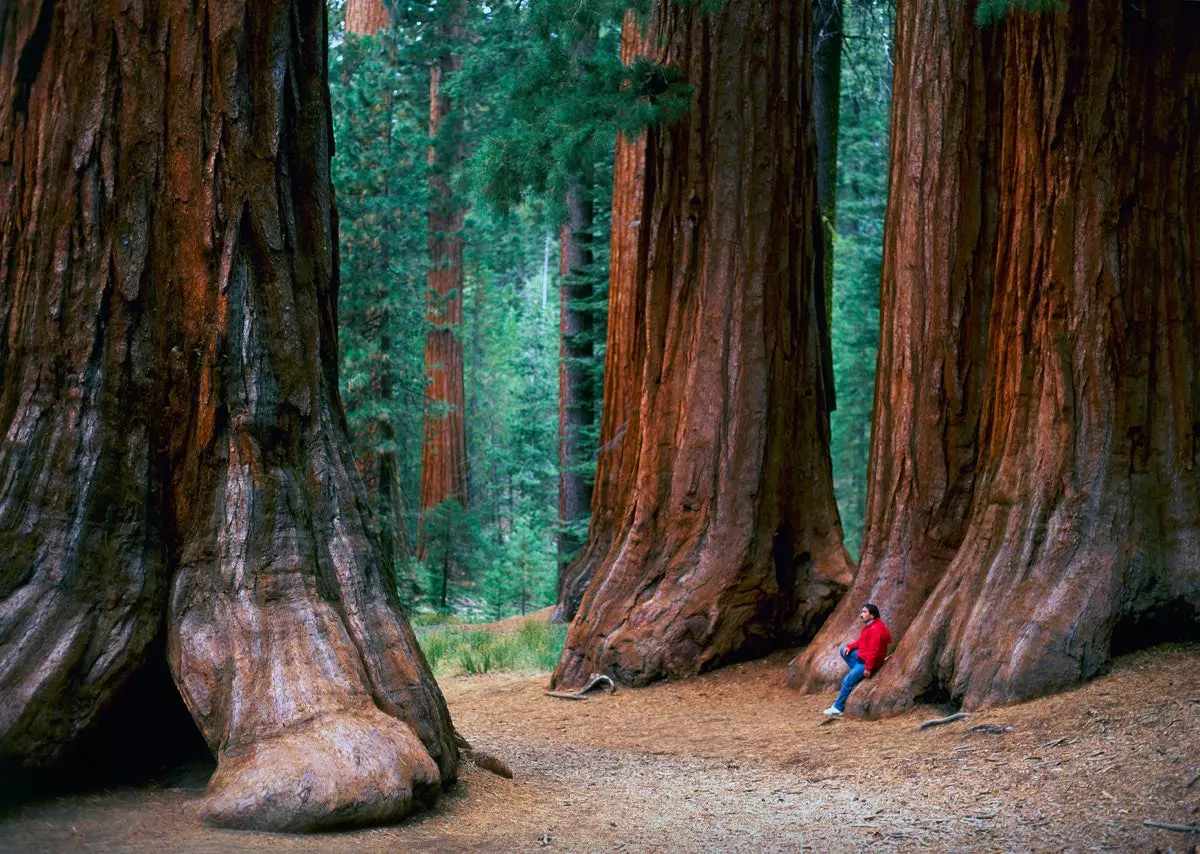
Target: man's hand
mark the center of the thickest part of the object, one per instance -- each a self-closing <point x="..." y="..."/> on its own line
<point x="867" y="672"/>
<point x="843" y="651"/>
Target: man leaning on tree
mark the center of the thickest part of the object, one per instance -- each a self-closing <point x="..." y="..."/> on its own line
<point x="863" y="656"/>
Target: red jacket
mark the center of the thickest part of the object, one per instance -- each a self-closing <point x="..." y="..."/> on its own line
<point x="872" y="644"/>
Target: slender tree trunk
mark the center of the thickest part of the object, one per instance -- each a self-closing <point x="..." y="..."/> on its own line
<point x="576" y="399"/>
<point x="935" y="295"/>
<point x="444" y="456"/>
<point x="1084" y="532"/>
<point x="176" y="458"/>
<point x="827" y="92"/>
<point x="733" y="544"/>
<point x="366" y="18"/>
<point x="617" y="454"/>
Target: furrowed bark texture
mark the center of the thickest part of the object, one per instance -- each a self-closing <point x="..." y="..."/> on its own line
<point x="576" y="399"/>
<point x="1084" y="534"/>
<point x="366" y="17"/>
<point x="936" y="290"/>
<point x="175" y="456"/>
<point x="732" y="543"/>
<point x="625" y="352"/>
<point x="444" y="451"/>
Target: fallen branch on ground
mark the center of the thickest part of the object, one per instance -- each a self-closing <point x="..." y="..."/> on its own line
<point x="596" y="680"/>
<point x="1182" y="828"/>
<point x="949" y="719"/>
<point x="1192" y="781"/>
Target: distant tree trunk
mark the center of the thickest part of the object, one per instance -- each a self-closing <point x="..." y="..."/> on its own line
<point x="617" y="454"/>
<point x="366" y="18"/>
<point x="576" y="399"/>
<point x="176" y="458"/>
<point x="444" y="456"/>
<point x="733" y="544"/>
<point x="936" y="290"/>
<point x="827" y="92"/>
<point x="1084" y="532"/>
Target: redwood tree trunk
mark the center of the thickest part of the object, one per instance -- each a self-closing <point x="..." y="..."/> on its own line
<point x="576" y="400"/>
<point x="1084" y="532"/>
<point x="175" y="456"/>
<point x="616" y="457"/>
<point x="366" y="17"/>
<point x="444" y="452"/>
<point x="733" y="543"/>
<point x="935" y="294"/>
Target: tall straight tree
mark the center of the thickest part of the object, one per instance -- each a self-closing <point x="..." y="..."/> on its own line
<point x="827" y="92"/>
<point x="368" y="18"/>
<point x="936" y="287"/>
<point x="732" y="543"/>
<point x="623" y="357"/>
<point x="1083" y="532"/>
<point x="576" y="398"/>
<point x="444" y="455"/>
<point x="175" y="470"/>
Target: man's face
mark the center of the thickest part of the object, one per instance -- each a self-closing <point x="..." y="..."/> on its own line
<point x="865" y="615"/>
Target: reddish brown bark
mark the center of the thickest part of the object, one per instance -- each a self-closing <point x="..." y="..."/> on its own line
<point x="175" y="457"/>
<point x="1084" y="533"/>
<point x="444" y="451"/>
<point x="732" y="543"/>
<point x="935" y="294"/>
<point x="576" y="399"/>
<point x="366" y="17"/>
<point x="625" y="351"/>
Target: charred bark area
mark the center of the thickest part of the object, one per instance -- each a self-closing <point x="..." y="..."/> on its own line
<point x="1085" y="523"/>
<point x="444" y="450"/>
<point x="731" y="543"/>
<point x="616" y="457"/>
<point x="576" y="399"/>
<point x="174" y="444"/>
<point x="935" y="298"/>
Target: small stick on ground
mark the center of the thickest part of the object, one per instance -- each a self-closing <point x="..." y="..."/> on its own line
<point x="1192" y="781"/>
<point x="596" y="680"/>
<point x="1181" y="828"/>
<point x="957" y="716"/>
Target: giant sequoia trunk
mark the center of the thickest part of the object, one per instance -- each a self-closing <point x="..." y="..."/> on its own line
<point x="1084" y="531"/>
<point x="616" y="457"/>
<point x="444" y="450"/>
<point x="731" y="543"/>
<point x="175" y="458"/>
<point x="365" y="17"/>
<point x="936" y="288"/>
<point x="576" y="400"/>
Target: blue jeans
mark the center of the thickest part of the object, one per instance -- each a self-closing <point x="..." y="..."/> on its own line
<point x="856" y="675"/>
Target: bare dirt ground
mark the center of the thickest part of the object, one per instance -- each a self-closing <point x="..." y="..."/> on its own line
<point x="732" y="761"/>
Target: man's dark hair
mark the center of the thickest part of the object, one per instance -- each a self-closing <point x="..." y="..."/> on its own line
<point x="872" y="609"/>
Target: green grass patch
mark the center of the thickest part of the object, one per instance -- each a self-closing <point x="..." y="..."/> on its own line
<point x="454" y="650"/>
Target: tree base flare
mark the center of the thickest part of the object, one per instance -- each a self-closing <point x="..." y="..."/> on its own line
<point x="333" y="771"/>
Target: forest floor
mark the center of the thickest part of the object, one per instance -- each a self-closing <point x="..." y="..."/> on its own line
<point x="733" y="761"/>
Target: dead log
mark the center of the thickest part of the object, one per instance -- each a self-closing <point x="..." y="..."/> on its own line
<point x="949" y="719"/>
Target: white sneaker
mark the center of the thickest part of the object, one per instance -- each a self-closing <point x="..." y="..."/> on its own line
<point x="833" y="710"/>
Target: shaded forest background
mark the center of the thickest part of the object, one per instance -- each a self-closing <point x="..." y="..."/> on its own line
<point x="537" y="100"/>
